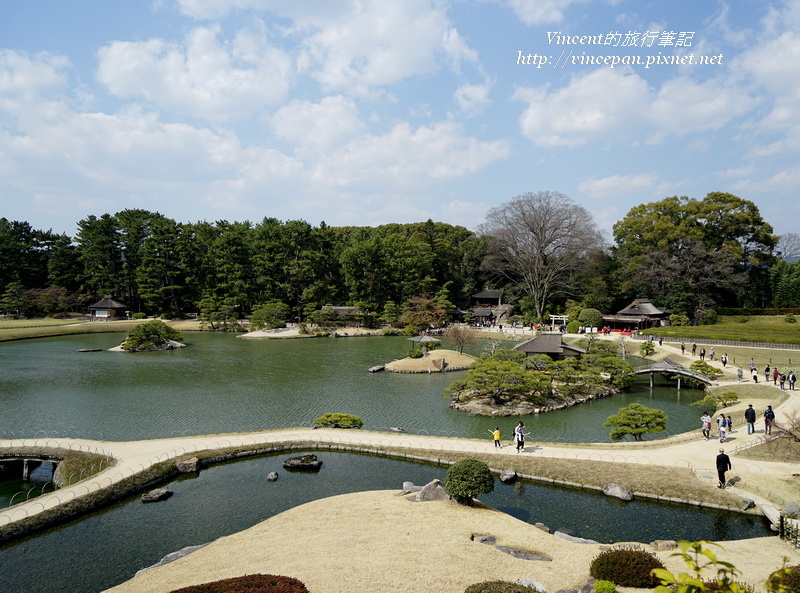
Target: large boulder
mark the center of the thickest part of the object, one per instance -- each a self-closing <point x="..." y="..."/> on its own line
<point x="531" y="584"/>
<point x="433" y="490"/>
<point x="187" y="466"/>
<point x="507" y="476"/>
<point x="303" y="463"/>
<point x="156" y="495"/>
<point x="791" y="509"/>
<point x="272" y="477"/>
<point x="661" y="545"/>
<point x="617" y="491"/>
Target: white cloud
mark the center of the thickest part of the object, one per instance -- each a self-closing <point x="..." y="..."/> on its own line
<point x="538" y="12"/>
<point x="607" y="187"/>
<point x="318" y="127"/>
<point x="585" y="110"/>
<point x="408" y="157"/>
<point x="472" y="99"/>
<point x="201" y="77"/>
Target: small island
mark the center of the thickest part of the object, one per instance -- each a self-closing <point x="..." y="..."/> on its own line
<point x="434" y="361"/>
<point x="151" y="336"/>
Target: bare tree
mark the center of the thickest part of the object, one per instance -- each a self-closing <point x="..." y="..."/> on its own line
<point x="788" y="246"/>
<point x="461" y="337"/>
<point x="539" y="240"/>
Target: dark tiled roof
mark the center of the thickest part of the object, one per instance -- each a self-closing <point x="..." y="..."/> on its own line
<point x="546" y="344"/>
<point x="641" y="307"/>
<point x="489" y="294"/>
<point x="108" y="303"/>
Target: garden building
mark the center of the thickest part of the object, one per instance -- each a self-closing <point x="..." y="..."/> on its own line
<point x="550" y="344"/>
<point x="640" y="314"/>
<point x="108" y="308"/>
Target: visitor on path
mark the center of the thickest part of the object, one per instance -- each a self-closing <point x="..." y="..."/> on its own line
<point x="660" y="340"/>
<point x="782" y="381"/>
<point x="729" y="421"/>
<point x="496" y="436"/>
<point x="722" y="425"/>
<point x="519" y="436"/>
<point x="694" y="348"/>
<point x="755" y="375"/>
<point x="769" y="420"/>
<point x="702" y="353"/>
<point x="683" y="348"/>
<point x="723" y="465"/>
<point x="750" y="418"/>
<point x="740" y="374"/>
<point x="792" y="380"/>
<point x="724" y="360"/>
<point x="766" y="373"/>
<point x="711" y="354"/>
<point x="752" y="365"/>
<point x="775" y="375"/>
<point x="706" y="425"/>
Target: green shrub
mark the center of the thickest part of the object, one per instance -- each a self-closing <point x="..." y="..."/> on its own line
<point x="139" y="315"/>
<point x="718" y="587"/>
<point x="708" y="317"/>
<point x="302" y="329"/>
<point x="497" y="587"/>
<point x="573" y="326"/>
<point x="790" y="318"/>
<point x="626" y="567"/>
<point x="468" y="478"/>
<point x="647" y="348"/>
<point x="786" y="579"/>
<point x="414" y="353"/>
<point x="277" y="325"/>
<point x="252" y="583"/>
<point x="743" y="318"/>
<point x="590" y="318"/>
<point x="391" y="331"/>
<point x="702" y="367"/>
<point x="336" y="420"/>
<point x="679" y="319"/>
<point x="150" y="335"/>
<point x="605" y="587"/>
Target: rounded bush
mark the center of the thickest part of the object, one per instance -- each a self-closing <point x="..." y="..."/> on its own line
<point x="252" y="583"/>
<point x="336" y="420"/>
<point x="605" y="587"/>
<point x="497" y="587"/>
<point x="573" y="326"/>
<point x="787" y="580"/>
<point x="590" y="318"/>
<point x="468" y="478"/>
<point x="626" y="567"/>
<point x="414" y="353"/>
<point x="139" y="315"/>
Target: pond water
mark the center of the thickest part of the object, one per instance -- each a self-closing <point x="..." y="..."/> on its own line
<point x="109" y="546"/>
<point x="224" y="384"/>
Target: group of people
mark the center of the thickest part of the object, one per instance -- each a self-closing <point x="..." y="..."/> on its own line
<point x="778" y="377"/>
<point x="725" y="423"/>
<point x="519" y="436"/>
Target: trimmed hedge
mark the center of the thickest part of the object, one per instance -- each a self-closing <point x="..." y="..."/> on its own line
<point x="253" y="583"/>
<point x="626" y="567"/>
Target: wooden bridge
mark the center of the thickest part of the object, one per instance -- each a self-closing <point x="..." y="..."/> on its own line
<point x="669" y="367"/>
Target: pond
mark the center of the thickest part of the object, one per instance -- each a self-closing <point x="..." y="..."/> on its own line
<point x="224" y="384"/>
<point x="109" y="546"/>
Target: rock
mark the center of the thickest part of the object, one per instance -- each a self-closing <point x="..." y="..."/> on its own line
<point x="272" y="477"/>
<point x="396" y="429"/>
<point x="409" y="487"/>
<point x="791" y="509"/>
<point x="508" y="476"/>
<point x="748" y="503"/>
<point x="484" y="539"/>
<point x="565" y="530"/>
<point x="173" y="556"/>
<point x="303" y="463"/>
<point x="573" y="539"/>
<point x="433" y="490"/>
<point x="156" y="495"/>
<point x="187" y="466"/>
<point x="663" y="544"/>
<point x="531" y="584"/>
<point x="618" y="491"/>
<point x="523" y="555"/>
<point x="542" y="526"/>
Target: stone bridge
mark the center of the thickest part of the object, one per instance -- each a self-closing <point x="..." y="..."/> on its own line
<point x="669" y="367"/>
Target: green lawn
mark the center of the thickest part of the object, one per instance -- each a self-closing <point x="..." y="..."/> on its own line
<point x="756" y="328"/>
<point x="20" y="329"/>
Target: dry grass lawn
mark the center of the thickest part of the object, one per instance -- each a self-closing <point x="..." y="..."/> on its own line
<point x="378" y="541"/>
<point x="424" y="364"/>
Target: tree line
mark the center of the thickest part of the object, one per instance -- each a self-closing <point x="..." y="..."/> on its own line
<point x="687" y="255"/>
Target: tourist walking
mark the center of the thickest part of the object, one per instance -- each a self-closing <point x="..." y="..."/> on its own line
<point x="792" y="380"/>
<point x="769" y="420"/>
<point x="782" y="381"/>
<point x="729" y="420"/>
<point x="723" y="465"/>
<point x="740" y="374"/>
<point x="519" y="436"/>
<point x="706" y="425"/>
<point x="752" y="365"/>
<point x="750" y="418"/>
<point x="683" y="348"/>
<point x="775" y="375"/>
<point x="496" y="436"/>
<point x="711" y="354"/>
<point x="722" y="425"/>
<point x="766" y="373"/>
<point x="694" y="348"/>
<point x="755" y="375"/>
<point x="702" y="353"/>
<point x="724" y="360"/>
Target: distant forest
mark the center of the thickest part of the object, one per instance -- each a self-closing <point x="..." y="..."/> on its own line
<point x="688" y="256"/>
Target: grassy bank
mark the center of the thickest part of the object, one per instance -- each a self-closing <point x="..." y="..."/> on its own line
<point x="754" y="328"/>
<point x="23" y="329"/>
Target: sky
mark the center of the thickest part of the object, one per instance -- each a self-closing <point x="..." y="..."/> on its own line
<point x="365" y="112"/>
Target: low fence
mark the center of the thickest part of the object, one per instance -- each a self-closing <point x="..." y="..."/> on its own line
<point x="789" y="531"/>
<point x="714" y="342"/>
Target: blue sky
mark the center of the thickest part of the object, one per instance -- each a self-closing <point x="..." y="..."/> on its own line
<point x="363" y="112"/>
